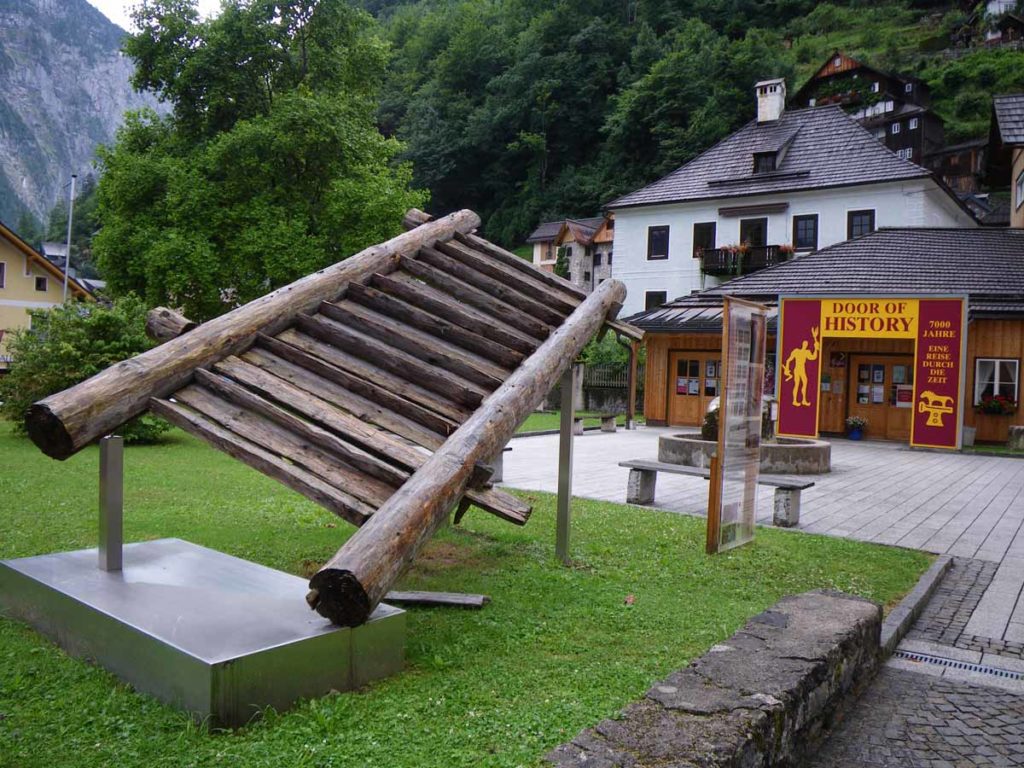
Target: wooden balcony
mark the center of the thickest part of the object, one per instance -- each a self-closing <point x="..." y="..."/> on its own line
<point x="731" y="262"/>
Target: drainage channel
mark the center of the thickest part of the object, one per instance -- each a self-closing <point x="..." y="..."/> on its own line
<point x="954" y="664"/>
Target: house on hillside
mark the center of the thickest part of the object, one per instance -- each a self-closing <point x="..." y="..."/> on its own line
<point x="543" y="241"/>
<point x="866" y="376"/>
<point x="961" y="166"/>
<point x="896" y="109"/>
<point x="1006" y="164"/>
<point x="27" y="281"/>
<point x="587" y="246"/>
<point x="789" y="182"/>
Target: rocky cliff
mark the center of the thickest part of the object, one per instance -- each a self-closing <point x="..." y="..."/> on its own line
<point x="64" y="86"/>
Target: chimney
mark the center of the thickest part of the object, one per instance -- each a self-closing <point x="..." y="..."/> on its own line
<point x="771" y="99"/>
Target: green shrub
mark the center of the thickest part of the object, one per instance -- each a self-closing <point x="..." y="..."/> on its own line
<point x="68" y="344"/>
<point x="709" y="429"/>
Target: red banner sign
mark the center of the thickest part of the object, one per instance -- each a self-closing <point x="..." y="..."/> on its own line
<point x="936" y="326"/>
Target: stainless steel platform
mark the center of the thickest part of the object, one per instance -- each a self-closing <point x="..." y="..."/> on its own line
<point x="212" y="634"/>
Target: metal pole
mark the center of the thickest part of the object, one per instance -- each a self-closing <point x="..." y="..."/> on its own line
<point x="568" y="413"/>
<point x="71" y="214"/>
<point x="111" y="502"/>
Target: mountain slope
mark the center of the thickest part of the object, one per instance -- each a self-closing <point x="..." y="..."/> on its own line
<point x="64" y="87"/>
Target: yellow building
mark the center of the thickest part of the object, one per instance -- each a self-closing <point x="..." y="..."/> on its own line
<point x="27" y="281"/>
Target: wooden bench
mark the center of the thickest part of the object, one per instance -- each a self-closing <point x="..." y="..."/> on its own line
<point x="608" y="423"/>
<point x="643" y="476"/>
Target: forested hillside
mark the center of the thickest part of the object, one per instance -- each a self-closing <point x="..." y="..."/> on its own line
<point x="528" y="110"/>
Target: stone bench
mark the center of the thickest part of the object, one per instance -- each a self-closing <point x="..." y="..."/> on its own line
<point x="766" y="696"/>
<point x="643" y="477"/>
<point x="608" y="423"/>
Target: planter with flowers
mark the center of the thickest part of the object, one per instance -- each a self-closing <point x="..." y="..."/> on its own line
<point x="855" y="426"/>
<point x="786" y="252"/>
<point x="999" y="405"/>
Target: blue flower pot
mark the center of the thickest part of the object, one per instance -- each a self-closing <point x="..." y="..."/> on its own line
<point x="855" y="434"/>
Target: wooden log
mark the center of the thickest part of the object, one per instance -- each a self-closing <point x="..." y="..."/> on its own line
<point x="317" y="378"/>
<point x="285" y="444"/>
<point x="392" y="360"/>
<point x="499" y="290"/>
<point x="296" y="478"/>
<point x="431" y="599"/>
<point x="522" y="281"/>
<point x="64" y="423"/>
<point x="390" y="306"/>
<point x="164" y="324"/>
<point x="307" y="430"/>
<point x="428" y="348"/>
<point x="354" y="431"/>
<point x="414" y="217"/>
<point x="419" y="294"/>
<point x="355" y="580"/>
<point x="364" y="369"/>
<point x="465" y="293"/>
<point x="527" y="267"/>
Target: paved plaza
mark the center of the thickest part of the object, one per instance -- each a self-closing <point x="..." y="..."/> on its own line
<point x="962" y="702"/>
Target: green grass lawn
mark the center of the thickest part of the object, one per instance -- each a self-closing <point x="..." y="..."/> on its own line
<point x="539" y="422"/>
<point x="557" y="649"/>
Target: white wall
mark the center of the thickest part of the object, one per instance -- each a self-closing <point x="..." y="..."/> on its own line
<point x="914" y="203"/>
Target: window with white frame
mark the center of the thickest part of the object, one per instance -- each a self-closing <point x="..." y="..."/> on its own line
<point x="1019" y="189"/>
<point x="890" y="105"/>
<point x="910" y="153"/>
<point x="908" y="87"/>
<point x="913" y="124"/>
<point x="995" y="377"/>
<point x="895" y="128"/>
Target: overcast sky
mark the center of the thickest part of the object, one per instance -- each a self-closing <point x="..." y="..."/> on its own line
<point x="119" y="11"/>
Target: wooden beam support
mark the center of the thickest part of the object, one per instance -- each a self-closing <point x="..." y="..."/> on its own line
<point x="354" y="581"/>
<point x="64" y="423"/>
<point x="414" y="217"/>
<point x="431" y="599"/>
<point x="392" y="307"/>
<point x="391" y="359"/>
<point x="499" y="290"/>
<point x="509" y="259"/>
<point x="164" y="324"/>
<point x="429" y="299"/>
<point x="296" y="478"/>
<point x="463" y="292"/>
<point x="434" y="351"/>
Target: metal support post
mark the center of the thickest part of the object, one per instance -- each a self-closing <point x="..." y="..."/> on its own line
<point x="111" y="502"/>
<point x="568" y="412"/>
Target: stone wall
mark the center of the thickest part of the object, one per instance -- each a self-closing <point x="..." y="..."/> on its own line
<point x="762" y="698"/>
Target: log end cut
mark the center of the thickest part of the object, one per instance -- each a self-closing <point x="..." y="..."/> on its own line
<point x="339" y="597"/>
<point x="48" y="432"/>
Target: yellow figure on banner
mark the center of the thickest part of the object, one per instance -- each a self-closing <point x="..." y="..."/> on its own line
<point x="934" y="405"/>
<point x="799" y="358"/>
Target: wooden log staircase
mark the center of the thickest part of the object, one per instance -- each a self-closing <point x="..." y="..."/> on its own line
<point x="348" y="391"/>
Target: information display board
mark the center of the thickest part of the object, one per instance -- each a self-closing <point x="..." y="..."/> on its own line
<point x="937" y="326"/>
<point x="732" y="501"/>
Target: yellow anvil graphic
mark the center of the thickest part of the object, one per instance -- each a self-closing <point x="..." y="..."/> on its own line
<point x="799" y="358"/>
<point x="935" y="406"/>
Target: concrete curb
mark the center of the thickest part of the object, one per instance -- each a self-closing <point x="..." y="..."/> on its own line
<point x="902" y="617"/>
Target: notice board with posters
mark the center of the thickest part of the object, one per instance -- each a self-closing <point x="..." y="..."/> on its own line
<point x="936" y="324"/>
<point x="732" y="500"/>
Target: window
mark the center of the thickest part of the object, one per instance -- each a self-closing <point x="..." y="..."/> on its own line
<point x="889" y="106"/>
<point x="586" y="277"/>
<point x="764" y="162"/>
<point x="41" y="284"/>
<point x="3" y="274"/>
<point x="909" y="153"/>
<point x="908" y="88"/>
<point x="1019" y="187"/>
<point x="609" y="258"/>
<point x="874" y="87"/>
<point x="879" y="133"/>
<point x="995" y="377"/>
<point x="597" y="259"/>
<point x="654" y="299"/>
<point x="912" y="125"/>
<point x="657" y="243"/>
<point x="895" y="128"/>
<point x="703" y="237"/>
<point x="837" y="62"/>
<point x="805" y="232"/>
<point x="859" y="223"/>
<point x="754" y="231"/>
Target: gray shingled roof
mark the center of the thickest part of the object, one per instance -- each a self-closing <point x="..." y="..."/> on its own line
<point x="547" y="231"/>
<point x="828" y="149"/>
<point x="986" y="264"/>
<point x="1010" y="118"/>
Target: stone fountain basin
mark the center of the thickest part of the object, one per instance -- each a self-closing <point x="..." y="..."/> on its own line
<point x="782" y="456"/>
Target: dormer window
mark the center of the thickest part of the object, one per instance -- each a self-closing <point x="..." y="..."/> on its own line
<point x="764" y="162"/>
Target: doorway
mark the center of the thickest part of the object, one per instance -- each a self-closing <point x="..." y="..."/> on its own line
<point x="882" y="391"/>
<point x="754" y="232"/>
<point x="694" y="380"/>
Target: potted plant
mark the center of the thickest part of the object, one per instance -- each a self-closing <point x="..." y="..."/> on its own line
<point x="786" y="252"/>
<point x="1000" y="405"/>
<point x="855" y="426"/>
